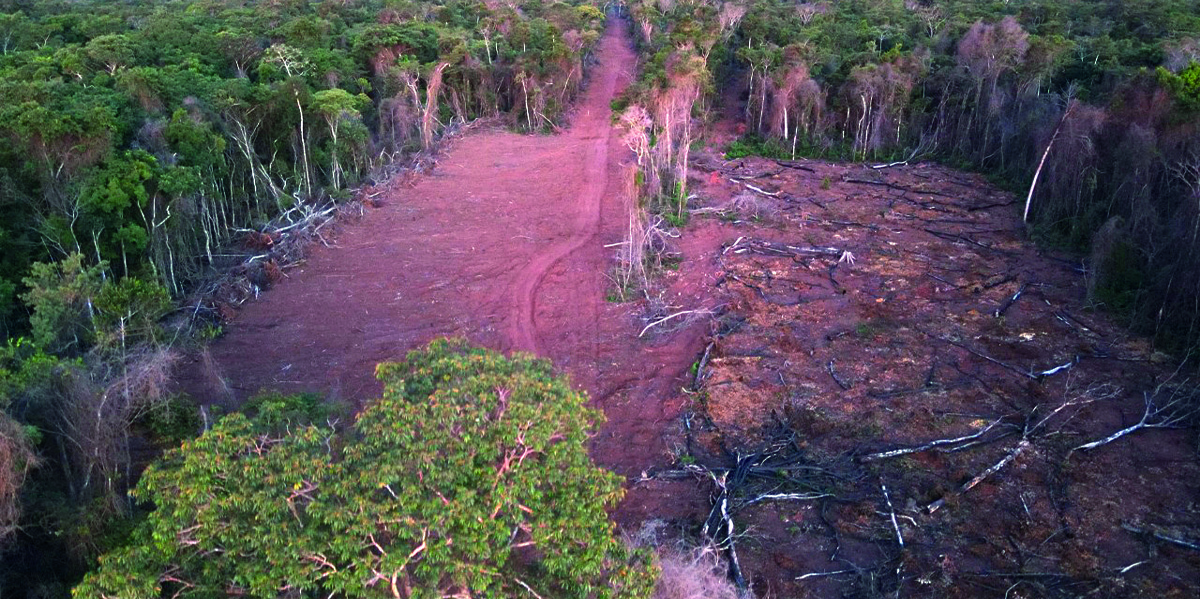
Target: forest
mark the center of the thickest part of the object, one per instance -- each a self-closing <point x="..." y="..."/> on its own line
<point x="1093" y="102"/>
<point x="150" y="143"/>
<point x="145" y="142"/>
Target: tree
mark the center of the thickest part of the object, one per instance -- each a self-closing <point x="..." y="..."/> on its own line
<point x="62" y="296"/>
<point x="11" y="25"/>
<point x="113" y="200"/>
<point x="112" y="51"/>
<point x="295" y="66"/>
<point x="240" y="49"/>
<point x="469" y="478"/>
<point x="336" y="106"/>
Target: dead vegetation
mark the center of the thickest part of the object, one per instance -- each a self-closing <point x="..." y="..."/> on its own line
<point x="17" y="458"/>
<point x="647" y="243"/>
<point x="904" y="398"/>
<point x="698" y="574"/>
<point x="262" y="255"/>
<point x="95" y="424"/>
<point x="685" y="571"/>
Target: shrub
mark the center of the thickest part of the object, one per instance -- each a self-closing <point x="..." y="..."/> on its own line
<point x="753" y="145"/>
<point x="61" y="295"/>
<point x="470" y="477"/>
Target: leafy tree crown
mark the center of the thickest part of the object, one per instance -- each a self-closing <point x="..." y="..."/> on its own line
<point x="470" y="477"/>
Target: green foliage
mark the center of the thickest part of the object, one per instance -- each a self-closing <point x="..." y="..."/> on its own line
<point x="195" y="141"/>
<point x="8" y="296"/>
<point x="30" y="383"/>
<point x="754" y="145"/>
<point x="470" y="476"/>
<point x="75" y="306"/>
<point x="276" y="411"/>
<point x="22" y="368"/>
<point x="62" y="295"/>
<point x="111" y="51"/>
<point x="1185" y="86"/>
<point x="174" y="421"/>
<point x="119" y="184"/>
<point x="113" y="202"/>
<point x="128" y="311"/>
<point x="676" y="218"/>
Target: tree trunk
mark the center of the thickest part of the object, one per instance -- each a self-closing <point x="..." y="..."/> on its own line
<point x="1042" y="163"/>
<point x="432" y="89"/>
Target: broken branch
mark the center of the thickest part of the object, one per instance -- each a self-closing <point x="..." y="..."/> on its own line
<point x="1012" y="300"/>
<point x="892" y="511"/>
<point x="998" y="466"/>
<point x="673" y="316"/>
<point x="845" y="386"/>
<point x="932" y="444"/>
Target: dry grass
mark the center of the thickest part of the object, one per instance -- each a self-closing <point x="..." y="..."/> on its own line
<point x="696" y="574"/>
<point x="685" y="572"/>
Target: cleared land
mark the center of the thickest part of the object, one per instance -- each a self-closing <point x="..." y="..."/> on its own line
<point x="855" y="311"/>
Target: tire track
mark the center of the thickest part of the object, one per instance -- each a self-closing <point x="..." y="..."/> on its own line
<point x="592" y="127"/>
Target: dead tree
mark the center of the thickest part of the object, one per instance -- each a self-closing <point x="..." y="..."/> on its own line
<point x="1179" y="408"/>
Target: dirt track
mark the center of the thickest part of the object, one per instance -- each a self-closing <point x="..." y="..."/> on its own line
<point x="501" y="244"/>
<point x="593" y="131"/>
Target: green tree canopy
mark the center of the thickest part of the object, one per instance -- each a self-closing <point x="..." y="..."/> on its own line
<point x="470" y="477"/>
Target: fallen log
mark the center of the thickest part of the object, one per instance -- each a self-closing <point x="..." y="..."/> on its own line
<point x="1012" y="300"/>
<point x="793" y="165"/>
<point x="883" y="455"/>
<point x="832" y="373"/>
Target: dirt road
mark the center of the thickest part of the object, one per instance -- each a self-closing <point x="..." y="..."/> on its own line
<point x="501" y="244"/>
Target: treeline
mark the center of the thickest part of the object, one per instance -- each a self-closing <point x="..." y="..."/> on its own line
<point x="141" y="139"/>
<point x="1111" y="87"/>
<point x="145" y="134"/>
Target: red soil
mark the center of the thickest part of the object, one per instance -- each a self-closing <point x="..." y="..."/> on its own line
<point x="503" y="245"/>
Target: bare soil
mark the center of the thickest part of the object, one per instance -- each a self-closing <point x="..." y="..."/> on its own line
<point x="504" y="244"/>
<point x="870" y="310"/>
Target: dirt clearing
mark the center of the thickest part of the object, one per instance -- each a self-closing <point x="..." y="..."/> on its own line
<point x="898" y="389"/>
<point x="857" y="312"/>
<point x="502" y="244"/>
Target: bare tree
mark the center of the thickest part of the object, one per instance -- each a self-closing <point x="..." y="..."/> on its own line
<point x="433" y="87"/>
<point x="17" y="458"/>
<point x="878" y="96"/>
<point x="94" y="423"/>
<point x="729" y="16"/>
<point x="1186" y="170"/>
<point x="985" y="53"/>
<point x="797" y="100"/>
<point x="672" y="109"/>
